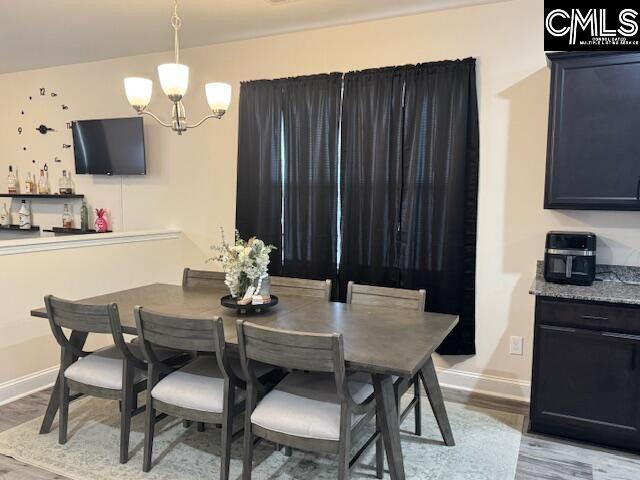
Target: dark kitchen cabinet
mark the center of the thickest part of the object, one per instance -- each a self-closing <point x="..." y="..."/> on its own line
<point x="586" y="372"/>
<point x="593" y="144"/>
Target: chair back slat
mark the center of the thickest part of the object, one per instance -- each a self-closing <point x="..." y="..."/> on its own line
<point x="384" y="296"/>
<point x="79" y="317"/>
<point x="203" y="278"/>
<point x="301" y="287"/>
<point x="180" y="333"/>
<point x="288" y="349"/>
<point x="88" y="319"/>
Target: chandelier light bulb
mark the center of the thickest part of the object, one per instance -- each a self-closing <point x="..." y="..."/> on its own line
<point x="174" y="80"/>
<point x="218" y="97"/>
<point x="138" y="91"/>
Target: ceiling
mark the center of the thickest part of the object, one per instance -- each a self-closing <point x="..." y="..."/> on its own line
<point x="43" y="33"/>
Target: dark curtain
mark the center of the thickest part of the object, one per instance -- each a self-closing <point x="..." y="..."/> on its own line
<point x="409" y="186"/>
<point x="311" y="117"/>
<point x="405" y="185"/>
<point x="259" y="190"/>
<point x="371" y="177"/>
<point x="439" y="193"/>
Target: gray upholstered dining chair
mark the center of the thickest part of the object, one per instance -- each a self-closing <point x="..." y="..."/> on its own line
<point x="397" y="298"/>
<point x="304" y="288"/>
<point x="319" y="411"/>
<point x="116" y="372"/>
<point x="301" y="287"/>
<point x="208" y="389"/>
<point x="202" y="278"/>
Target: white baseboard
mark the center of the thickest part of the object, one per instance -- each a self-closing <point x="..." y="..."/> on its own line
<point x="22" y="386"/>
<point x="450" y="378"/>
<point x="485" y="384"/>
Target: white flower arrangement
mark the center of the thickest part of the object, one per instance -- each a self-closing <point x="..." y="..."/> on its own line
<point x="244" y="263"/>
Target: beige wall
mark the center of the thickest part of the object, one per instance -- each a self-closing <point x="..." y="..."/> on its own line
<point x="191" y="181"/>
<point x="26" y="343"/>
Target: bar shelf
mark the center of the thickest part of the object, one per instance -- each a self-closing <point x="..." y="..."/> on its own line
<point x="42" y="196"/>
<point x="16" y="228"/>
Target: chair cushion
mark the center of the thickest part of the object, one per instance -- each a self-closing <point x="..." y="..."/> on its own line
<point x="103" y="368"/>
<point x="199" y="385"/>
<point x="306" y="405"/>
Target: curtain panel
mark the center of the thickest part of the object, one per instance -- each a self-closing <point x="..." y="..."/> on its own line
<point x="259" y="185"/>
<point x="311" y="117"/>
<point x="371" y="176"/>
<point x="409" y="186"/>
<point x="437" y="242"/>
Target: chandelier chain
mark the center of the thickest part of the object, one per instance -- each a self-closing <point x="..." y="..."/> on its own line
<point x="176" y="23"/>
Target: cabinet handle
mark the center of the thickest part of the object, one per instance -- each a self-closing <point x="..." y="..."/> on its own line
<point x="594" y="317"/>
<point x="638" y="189"/>
<point x="594" y="333"/>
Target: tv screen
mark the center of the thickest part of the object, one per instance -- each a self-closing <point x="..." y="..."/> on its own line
<point x="109" y="147"/>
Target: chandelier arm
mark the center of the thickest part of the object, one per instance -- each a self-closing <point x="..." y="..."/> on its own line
<point x="145" y="112"/>
<point x="204" y="120"/>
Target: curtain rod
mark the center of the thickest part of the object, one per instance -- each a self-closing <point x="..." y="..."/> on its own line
<point x="399" y="68"/>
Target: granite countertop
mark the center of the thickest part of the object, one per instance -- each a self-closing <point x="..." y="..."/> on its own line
<point x="614" y="284"/>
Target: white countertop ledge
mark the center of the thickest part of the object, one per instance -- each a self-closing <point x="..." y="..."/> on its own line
<point x="61" y="242"/>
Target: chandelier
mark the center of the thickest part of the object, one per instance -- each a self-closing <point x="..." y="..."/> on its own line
<point x="174" y="80"/>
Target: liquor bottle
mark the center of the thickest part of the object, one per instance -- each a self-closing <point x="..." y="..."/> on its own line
<point x="70" y="187"/>
<point x="64" y="184"/>
<point x="46" y="178"/>
<point x="24" y="216"/>
<point x="28" y="184"/>
<point x="84" y="217"/>
<point x="67" y="218"/>
<point x="5" y="216"/>
<point x="43" y="184"/>
<point x="12" y="180"/>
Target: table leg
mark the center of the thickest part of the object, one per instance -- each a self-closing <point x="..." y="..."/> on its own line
<point x="387" y="412"/>
<point x="432" y="386"/>
<point x="77" y="339"/>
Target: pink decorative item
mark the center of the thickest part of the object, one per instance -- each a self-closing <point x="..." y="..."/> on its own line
<point x="101" y="222"/>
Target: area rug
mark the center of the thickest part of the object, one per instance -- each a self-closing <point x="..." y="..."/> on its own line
<point x="487" y="444"/>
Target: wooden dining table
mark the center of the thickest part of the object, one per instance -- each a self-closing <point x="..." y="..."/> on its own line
<point x="381" y="340"/>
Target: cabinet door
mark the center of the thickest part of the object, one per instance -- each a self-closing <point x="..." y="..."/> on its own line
<point x="586" y="385"/>
<point x="593" y="155"/>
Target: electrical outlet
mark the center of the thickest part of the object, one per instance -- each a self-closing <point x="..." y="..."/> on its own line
<point x="516" y="345"/>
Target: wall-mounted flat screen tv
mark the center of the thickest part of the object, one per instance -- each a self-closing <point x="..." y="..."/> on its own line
<point x="113" y="146"/>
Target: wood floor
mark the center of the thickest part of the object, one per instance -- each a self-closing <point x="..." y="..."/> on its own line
<point x="541" y="457"/>
<point x="544" y="457"/>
